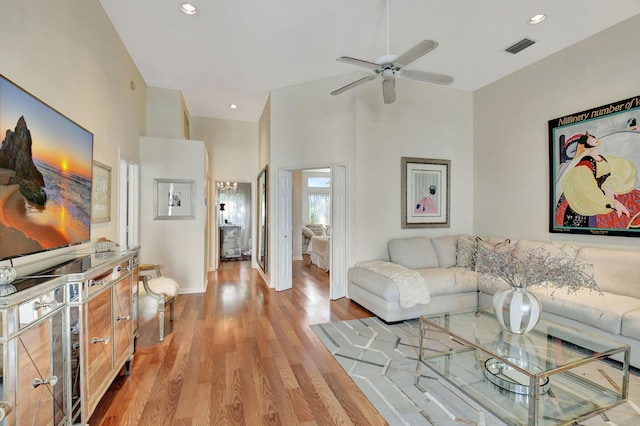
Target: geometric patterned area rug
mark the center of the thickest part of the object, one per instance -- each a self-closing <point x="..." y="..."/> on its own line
<point x="382" y="360"/>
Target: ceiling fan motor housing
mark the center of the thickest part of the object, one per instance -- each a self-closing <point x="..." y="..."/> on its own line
<point x="386" y="60"/>
<point x="387" y="73"/>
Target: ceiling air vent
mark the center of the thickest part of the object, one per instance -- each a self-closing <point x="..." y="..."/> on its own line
<point x="519" y="46"/>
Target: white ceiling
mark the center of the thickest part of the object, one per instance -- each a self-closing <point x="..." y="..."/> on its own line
<point x="236" y="51"/>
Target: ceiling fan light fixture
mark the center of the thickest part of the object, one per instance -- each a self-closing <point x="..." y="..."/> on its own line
<point x="188" y="9"/>
<point x="536" y="19"/>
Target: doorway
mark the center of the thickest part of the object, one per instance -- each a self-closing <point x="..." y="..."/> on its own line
<point x="234" y="209"/>
<point x="312" y="217"/>
<point x="286" y="234"/>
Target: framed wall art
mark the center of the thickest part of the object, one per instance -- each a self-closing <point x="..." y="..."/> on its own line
<point x="174" y="199"/>
<point x="595" y="166"/>
<point x="101" y="196"/>
<point x="425" y="192"/>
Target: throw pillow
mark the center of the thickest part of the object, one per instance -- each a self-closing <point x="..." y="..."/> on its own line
<point x="484" y="248"/>
<point x="466" y="252"/>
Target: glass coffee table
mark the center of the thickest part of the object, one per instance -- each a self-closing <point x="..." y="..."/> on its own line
<point x="553" y="375"/>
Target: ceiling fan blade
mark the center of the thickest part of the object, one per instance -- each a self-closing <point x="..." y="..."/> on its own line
<point x="389" y="90"/>
<point x="353" y="84"/>
<point x="358" y="62"/>
<point x="422" y="48"/>
<point x="427" y="77"/>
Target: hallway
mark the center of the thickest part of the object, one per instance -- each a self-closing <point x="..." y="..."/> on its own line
<point x="241" y="354"/>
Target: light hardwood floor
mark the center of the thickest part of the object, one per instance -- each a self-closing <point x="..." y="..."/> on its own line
<point x="241" y="354"/>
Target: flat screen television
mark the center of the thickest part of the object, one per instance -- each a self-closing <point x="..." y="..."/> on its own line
<point x="46" y="163"/>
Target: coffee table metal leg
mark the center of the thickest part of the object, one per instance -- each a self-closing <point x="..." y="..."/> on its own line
<point x="534" y="400"/>
<point x="421" y="339"/>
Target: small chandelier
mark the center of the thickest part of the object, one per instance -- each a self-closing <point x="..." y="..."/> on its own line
<point x="227" y="186"/>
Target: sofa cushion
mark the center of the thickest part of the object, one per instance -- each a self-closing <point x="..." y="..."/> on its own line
<point x="445" y="248"/>
<point x="466" y="251"/>
<point x="615" y="271"/>
<point x="374" y="283"/>
<point x="631" y="324"/>
<point x="413" y="252"/>
<point x="551" y="247"/>
<point x="603" y="311"/>
<point x="441" y="281"/>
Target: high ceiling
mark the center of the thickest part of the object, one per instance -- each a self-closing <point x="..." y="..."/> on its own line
<point x="237" y="51"/>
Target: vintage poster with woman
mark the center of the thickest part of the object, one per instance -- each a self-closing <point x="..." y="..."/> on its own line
<point x="595" y="170"/>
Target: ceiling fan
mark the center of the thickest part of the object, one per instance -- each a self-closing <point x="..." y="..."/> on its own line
<point x="388" y="65"/>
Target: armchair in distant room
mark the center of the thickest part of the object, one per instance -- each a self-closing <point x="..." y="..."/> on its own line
<point x="5" y="409"/>
<point x="158" y="293"/>
<point x="309" y="231"/>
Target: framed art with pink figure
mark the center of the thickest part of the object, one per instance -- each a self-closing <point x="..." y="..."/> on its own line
<point x="595" y="170"/>
<point x="425" y="192"/>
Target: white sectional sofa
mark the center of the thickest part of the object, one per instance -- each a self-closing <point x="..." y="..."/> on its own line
<point x="446" y="264"/>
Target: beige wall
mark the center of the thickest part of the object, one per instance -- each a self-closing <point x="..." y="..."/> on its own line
<point x="358" y="130"/>
<point x="67" y="54"/>
<point x="232" y="147"/>
<point x="511" y="166"/>
<point x="264" y="138"/>
<point x="166" y="112"/>
<point x="426" y="121"/>
<point x="179" y="245"/>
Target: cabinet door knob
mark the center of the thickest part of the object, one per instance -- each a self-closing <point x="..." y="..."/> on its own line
<point x="39" y="382"/>
<point x="39" y="305"/>
<point x="123" y="318"/>
<point x="104" y="339"/>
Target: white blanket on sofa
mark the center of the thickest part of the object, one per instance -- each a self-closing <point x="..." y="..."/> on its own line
<point x="411" y="285"/>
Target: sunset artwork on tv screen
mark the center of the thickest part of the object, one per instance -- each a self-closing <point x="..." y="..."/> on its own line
<point x="45" y="176"/>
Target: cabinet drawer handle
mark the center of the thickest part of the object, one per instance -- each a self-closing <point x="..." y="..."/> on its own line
<point x="124" y="318"/>
<point x="95" y="340"/>
<point x="120" y="268"/>
<point x="39" y="305"/>
<point x="97" y="282"/>
<point x="38" y="382"/>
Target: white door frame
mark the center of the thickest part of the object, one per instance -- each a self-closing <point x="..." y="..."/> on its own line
<point x="338" y="264"/>
<point x="284" y="230"/>
<point x="128" y="202"/>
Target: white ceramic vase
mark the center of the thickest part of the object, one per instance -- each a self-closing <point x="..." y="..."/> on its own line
<point x="517" y="310"/>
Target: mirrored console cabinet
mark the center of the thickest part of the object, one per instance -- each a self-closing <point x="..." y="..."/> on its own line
<point x="65" y="334"/>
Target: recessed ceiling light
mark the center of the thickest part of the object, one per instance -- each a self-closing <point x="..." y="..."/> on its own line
<point x="189" y="8"/>
<point x="233" y="106"/>
<point x="537" y="19"/>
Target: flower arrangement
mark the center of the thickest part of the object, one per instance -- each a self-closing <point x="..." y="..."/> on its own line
<point x="526" y="269"/>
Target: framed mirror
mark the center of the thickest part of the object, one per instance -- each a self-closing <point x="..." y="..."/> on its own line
<point x="262" y="208"/>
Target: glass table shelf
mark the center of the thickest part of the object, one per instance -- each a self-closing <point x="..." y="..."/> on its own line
<point x="558" y="374"/>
